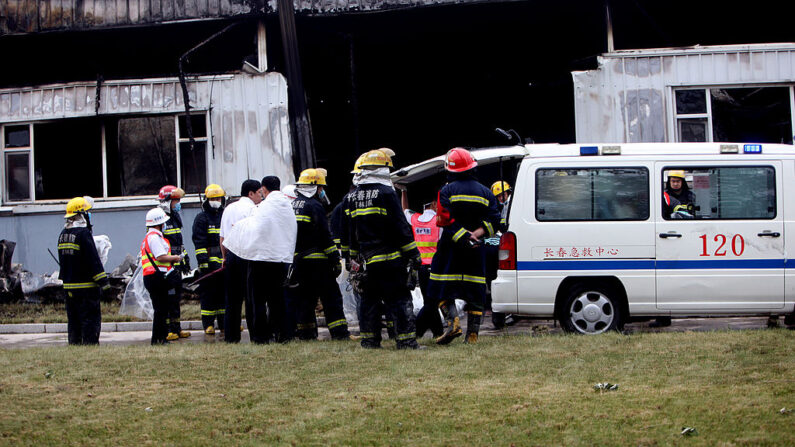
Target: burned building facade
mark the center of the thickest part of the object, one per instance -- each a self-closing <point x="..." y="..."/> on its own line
<point x="92" y="101"/>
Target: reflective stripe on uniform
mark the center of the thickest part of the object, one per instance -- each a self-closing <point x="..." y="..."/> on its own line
<point x="426" y="255"/>
<point x="489" y="228"/>
<point x="316" y="255"/>
<point x="475" y="279"/>
<point x="337" y="323"/>
<point x="468" y="198"/>
<point x="303" y="218"/>
<point x="426" y="244"/>
<point x="208" y="313"/>
<point x="78" y="285"/>
<point x="385" y="257"/>
<point x="213" y="231"/>
<point x="459" y="234"/>
<point x="368" y="211"/>
<point x="204" y="266"/>
<point x="466" y="278"/>
<point x="173" y="231"/>
<point x="408" y="336"/>
<point x="330" y="250"/>
<point x="216" y="259"/>
<point x="68" y="246"/>
<point x="367" y="334"/>
<point x="201" y="251"/>
<point x="410" y="246"/>
<point x="100" y="275"/>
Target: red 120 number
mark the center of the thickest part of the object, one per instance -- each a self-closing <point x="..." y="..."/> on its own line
<point x="738" y="245"/>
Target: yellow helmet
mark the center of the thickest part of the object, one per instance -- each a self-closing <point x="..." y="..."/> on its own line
<point x="315" y="176"/>
<point x="378" y="158"/>
<point x="77" y="205"/>
<point x="213" y="191"/>
<point x="357" y="167"/>
<point x="500" y="187"/>
<point x="677" y="173"/>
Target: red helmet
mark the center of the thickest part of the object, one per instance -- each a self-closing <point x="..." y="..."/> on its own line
<point x="459" y="160"/>
<point x="169" y="192"/>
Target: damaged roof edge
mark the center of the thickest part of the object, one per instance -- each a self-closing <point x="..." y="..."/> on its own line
<point x="39" y="16"/>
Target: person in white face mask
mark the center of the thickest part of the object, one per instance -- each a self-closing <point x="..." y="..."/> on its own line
<point x="206" y="239"/>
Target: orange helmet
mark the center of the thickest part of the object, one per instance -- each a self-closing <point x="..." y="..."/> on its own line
<point x="169" y="192"/>
<point x="459" y="160"/>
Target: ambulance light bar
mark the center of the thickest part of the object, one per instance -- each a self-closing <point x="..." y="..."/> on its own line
<point x="589" y="150"/>
<point x="752" y="149"/>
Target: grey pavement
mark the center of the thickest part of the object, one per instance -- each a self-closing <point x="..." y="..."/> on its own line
<point x="119" y="336"/>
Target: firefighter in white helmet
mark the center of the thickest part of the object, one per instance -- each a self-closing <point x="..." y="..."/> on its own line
<point x="157" y="263"/>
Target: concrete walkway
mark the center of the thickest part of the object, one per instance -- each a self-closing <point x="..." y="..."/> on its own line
<point x="140" y="333"/>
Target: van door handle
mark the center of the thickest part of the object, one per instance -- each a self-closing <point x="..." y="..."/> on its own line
<point x="769" y="234"/>
<point x="667" y="235"/>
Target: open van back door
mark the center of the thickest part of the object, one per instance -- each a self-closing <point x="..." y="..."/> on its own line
<point x="427" y="168"/>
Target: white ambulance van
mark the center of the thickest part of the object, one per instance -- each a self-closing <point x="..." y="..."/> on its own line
<point x="592" y="242"/>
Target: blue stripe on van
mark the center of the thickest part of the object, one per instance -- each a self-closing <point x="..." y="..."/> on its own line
<point x="650" y="264"/>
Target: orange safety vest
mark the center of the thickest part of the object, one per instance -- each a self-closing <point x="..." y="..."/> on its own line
<point x="426" y="235"/>
<point x="146" y="263"/>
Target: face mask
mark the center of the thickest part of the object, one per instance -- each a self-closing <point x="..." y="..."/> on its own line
<point x="177" y="207"/>
<point x="215" y="204"/>
<point x="323" y="197"/>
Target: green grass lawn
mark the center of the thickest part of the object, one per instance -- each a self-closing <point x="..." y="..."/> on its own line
<point x="511" y="390"/>
<point x="12" y="313"/>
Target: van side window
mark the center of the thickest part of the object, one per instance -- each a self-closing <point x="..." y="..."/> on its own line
<point x="727" y="192"/>
<point x="592" y="194"/>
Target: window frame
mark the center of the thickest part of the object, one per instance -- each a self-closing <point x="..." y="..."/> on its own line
<point x="30" y="150"/>
<point x="553" y="168"/>
<point x="718" y="166"/>
<point x="676" y="117"/>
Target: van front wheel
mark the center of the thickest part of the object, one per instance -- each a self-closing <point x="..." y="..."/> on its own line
<point x="591" y="309"/>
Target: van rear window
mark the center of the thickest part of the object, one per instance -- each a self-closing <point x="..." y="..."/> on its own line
<point x="592" y="194"/>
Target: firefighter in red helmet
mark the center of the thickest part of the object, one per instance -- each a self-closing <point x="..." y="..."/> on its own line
<point x="468" y="212"/>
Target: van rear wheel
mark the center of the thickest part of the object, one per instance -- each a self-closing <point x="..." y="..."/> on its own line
<point x="591" y="309"/>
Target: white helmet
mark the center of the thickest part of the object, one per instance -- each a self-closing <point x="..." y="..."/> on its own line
<point x="155" y="217"/>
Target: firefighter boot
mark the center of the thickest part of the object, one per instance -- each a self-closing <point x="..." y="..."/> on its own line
<point x="210" y="330"/>
<point x="473" y="326"/>
<point x="172" y="336"/>
<point x="184" y="334"/>
<point x="453" y="325"/>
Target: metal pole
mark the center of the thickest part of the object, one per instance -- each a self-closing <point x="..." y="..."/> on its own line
<point x="301" y="129"/>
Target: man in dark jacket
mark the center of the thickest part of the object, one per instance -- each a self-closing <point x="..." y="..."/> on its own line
<point x="206" y="240"/>
<point x="317" y="261"/>
<point x="375" y="233"/>
<point x="468" y="211"/>
<point x="82" y="274"/>
<point x="677" y="188"/>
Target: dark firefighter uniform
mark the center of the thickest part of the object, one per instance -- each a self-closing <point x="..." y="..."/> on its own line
<point x="314" y="267"/>
<point x="83" y="278"/>
<point x="206" y="239"/>
<point x="375" y="232"/>
<point x="172" y="231"/>
<point x="458" y="269"/>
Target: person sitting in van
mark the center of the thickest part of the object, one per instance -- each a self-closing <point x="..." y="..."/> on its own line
<point x="676" y="187"/>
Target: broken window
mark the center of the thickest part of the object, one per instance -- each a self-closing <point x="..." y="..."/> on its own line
<point x="67" y="159"/>
<point x="748" y="114"/>
<point x="64" y="158"/>
<point x="17" y="148"/>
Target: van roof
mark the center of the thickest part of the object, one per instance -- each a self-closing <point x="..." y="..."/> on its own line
<point x="607" y="149"/>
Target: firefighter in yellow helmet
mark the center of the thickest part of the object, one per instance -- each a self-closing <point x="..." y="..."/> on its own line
<point x="503" y="192"/>
<point x="206" y="240"/>
<point x="377" y="239"/>
<point x="82" y="273"/>
<point x="317" y="262"/>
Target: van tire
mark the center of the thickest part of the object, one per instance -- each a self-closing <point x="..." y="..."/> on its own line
<point x="591" y="309"/>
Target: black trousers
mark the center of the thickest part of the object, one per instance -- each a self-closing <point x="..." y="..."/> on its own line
<point x="316" y="281"/>
<point x="213" y="302"/>
<point x="428" y="317"/>
<point x="236" y="279"/>
<point x="83" y="316"/>
<point x="158" y="288"/>
<point x="386" y="286"/>
<point x="265" y="298"/>
<point x="174" y="298"/>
